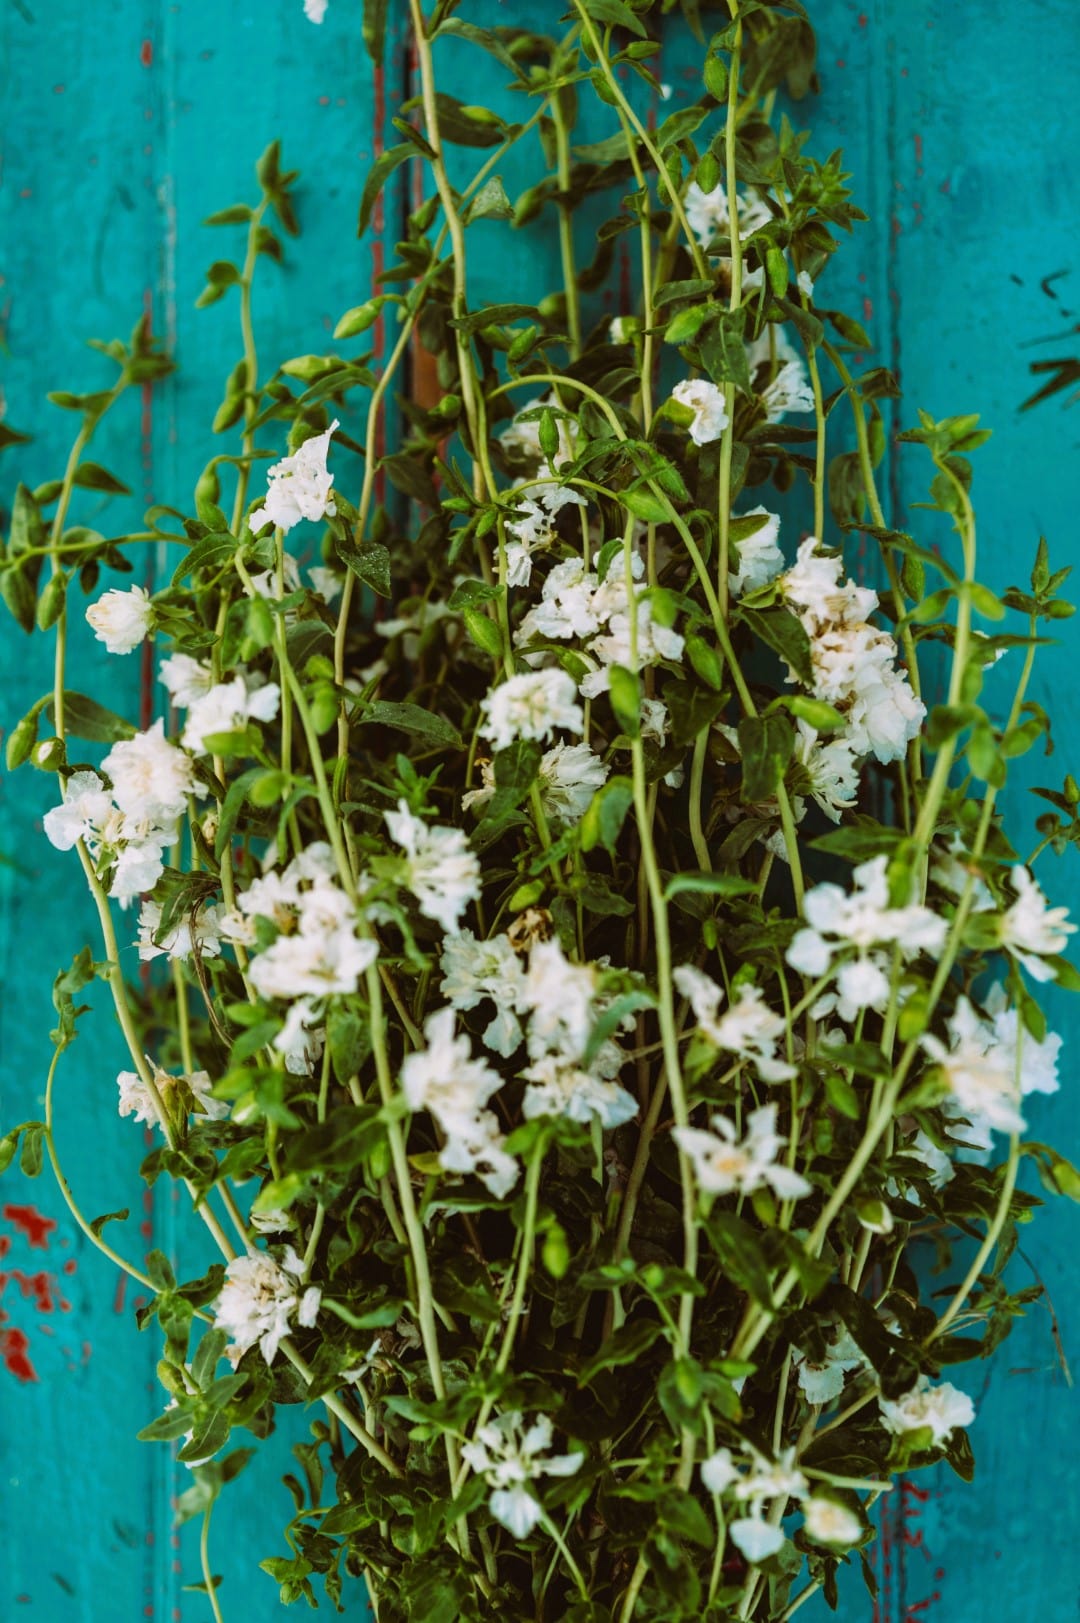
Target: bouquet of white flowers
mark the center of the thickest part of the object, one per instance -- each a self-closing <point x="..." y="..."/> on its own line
<point x="591" y="954"/>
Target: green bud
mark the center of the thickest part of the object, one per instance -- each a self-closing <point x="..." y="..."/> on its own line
<point x="49" y="755"/>
<point x="716" y="78"/>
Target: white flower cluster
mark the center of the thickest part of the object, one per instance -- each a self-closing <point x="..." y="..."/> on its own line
<point x="990" y="1064"/>
<point x="128" y="827"/>
<point x="532" y="705"/>
<point x="779" y="374"/>
<point x="725" y="1165"/>
<point x="854" y="662"/>
<point x="192" y="932"/>
<point x="748" y="1027"/>
<point x="537" y="506"/>
<point x="298" y="486"/>
<point x="552" y="1005"/>
<point x="259" y="1300"/>
<point x="136" y="1099"/>
<point x="511" y="1456"/>
<point x="216" y="707"/>
<point x="574" y="604"/>
<point x="315" y="954"/>
<point x="758" y="556"/>
<point x="864" y="920"/>
<point x="708" y="405"/>
<point x="762" y="1482"/>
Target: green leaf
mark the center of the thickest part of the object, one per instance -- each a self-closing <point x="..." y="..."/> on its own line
<point x="490" y="203"/>
<point x="712" y="884"/>
<point x="412" y="718"/>
<point x="87" y="719"/>
<point x="624" y="1346"/>
<point x="626" y="700"/>
<point x="615" y="12"/>
<point x="766" y="744"/>
<point x="779" y="630"/>
<point x="17" y="590"/>
<point x="373" y="28"/>
<point x="91" y="476"/>
<point x="368" y="560"/>
<point x="377" y="176"/>
<point x="606" y="814"/>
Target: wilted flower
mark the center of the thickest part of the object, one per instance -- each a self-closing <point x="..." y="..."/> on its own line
<point x="1031" y="930"/>
<point x="748" y="1027"/>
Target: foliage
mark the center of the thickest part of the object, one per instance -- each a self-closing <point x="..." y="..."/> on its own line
<point x="564" y="1115"/>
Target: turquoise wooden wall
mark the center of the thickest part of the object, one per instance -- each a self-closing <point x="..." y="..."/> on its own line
<point x="125" y="123"/>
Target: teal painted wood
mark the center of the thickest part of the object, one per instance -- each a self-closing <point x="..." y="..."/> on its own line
<point x="130" y="122"/>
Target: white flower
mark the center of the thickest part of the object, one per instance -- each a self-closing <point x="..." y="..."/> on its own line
<point x="259" y="1300"/>
<point x="763" y="1482"/>
<point x="300" y="1039"/>
<point x="989" y="1065"/>
<point x="474" y="970"/>
<point x="758" y="556"/>
<point x="707" y="403"/>
<point x="616" y="647"/>
<point x="827" y="1521"/>
<point x="748" y="1028"/>
<point x="326" y="582"/>
<point x="151" y="778"/>
<point x="832" y="767"/>
<point x="538" y="506"/>
<point x="445" y="1079"/>
<point x="941" y="1408"/>
<point x="121" y="620"/>
<point x="755" y="1538"/>
<point x="298" y="486"/>
<point x="205" y="933"/>
<point x="559" y="996"/>
<point x="86" y="805"/>
<point x="1031" y="930"/>
<point x="315" y="10"/>
<point x="511" y="1456"/>
<point x="312" y="965"/>
<point x="227" y="707"/>
<point x="822" y="1383"/>
<point x="442" y="873"/>
<point x="724" y="1166"/>
<point x="138" y="867"/>
<point x="805" y="284"/>
<point x="137" y="1100"/>
<point x="532" y="706"/>
<point x="568" y="777"/>
<point x="783" y="383"/>
<point x="853" y="662"/>
<point x="863" y="920"/>
<point x="187" y="679"/>
<point x="558" y="1087"/>
<point x="708" y="215"/>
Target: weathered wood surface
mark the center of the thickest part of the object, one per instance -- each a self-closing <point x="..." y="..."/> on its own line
<point x="125" y="123"/>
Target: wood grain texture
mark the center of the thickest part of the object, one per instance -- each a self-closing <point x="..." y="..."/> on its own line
<point x="126" y="123"/>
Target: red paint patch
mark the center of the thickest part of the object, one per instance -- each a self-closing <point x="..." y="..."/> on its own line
<point x="58" y="90"/>
<point x="840" y="62"/>
<point x="146" y="53"/>
<point x="945" y="185"/>
<point x="29" y="1221"/>
<point x="863" y="19"/>
<point x="70" y="1265"/>
<point x="868" y="309"/>
<point x="121" y="1292"/>
<point x="14" y="1348"/>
